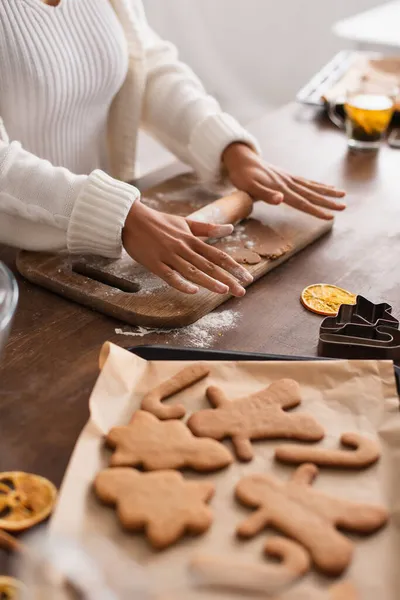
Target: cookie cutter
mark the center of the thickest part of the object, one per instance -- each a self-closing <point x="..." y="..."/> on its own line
<point x="365" y="330"/>
<point x="364" y="312"/>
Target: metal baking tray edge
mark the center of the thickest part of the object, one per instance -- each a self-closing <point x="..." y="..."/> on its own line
<point x="167" y="353"/>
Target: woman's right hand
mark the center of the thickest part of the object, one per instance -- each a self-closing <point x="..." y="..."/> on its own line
<point x="169" y="247"/>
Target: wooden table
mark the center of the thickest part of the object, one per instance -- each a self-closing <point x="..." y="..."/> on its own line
<point x="50" y="364"/>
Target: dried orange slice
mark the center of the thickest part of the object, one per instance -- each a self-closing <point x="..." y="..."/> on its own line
<point x="326" y="299"/>
<point x="10" y="588"/>
<point x="25" y="500"/>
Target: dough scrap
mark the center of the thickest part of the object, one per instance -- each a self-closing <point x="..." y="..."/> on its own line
<point x="265" y="241"/>
<point x="253" y="242"/>
<point x="245" y="256"/>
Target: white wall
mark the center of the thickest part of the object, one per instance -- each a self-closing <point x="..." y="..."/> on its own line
<point x="253" y="54"/>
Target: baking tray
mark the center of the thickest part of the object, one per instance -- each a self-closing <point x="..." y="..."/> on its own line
<point x="154" y="352"/>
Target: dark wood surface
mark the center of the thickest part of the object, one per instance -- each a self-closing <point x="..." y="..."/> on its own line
<point x="50" y="363"/>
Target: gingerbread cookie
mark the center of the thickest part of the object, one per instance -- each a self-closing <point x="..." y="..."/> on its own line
<point x="162" y="503"/>
<point x="366" y="452"/>
<point x="256" y="417"/>
<point x="309" y="516"/>
<point x="230" y="573"/>
<point x="179" y="382"/>
<point x="155" y="445"/>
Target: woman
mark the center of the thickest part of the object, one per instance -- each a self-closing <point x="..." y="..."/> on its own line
<point x="77" y="78"/>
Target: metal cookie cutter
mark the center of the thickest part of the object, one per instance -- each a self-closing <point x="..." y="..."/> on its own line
<point x="365" y="330"/>
<point x="364" y="312"/>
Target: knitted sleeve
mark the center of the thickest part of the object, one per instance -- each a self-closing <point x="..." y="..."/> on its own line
<point x="43" y="207"/>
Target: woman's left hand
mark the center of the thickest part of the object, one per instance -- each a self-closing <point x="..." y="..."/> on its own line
<point x="249" y="173"/>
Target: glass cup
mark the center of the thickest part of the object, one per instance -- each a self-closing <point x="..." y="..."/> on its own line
<point x="368" y="111"/>
<point x="8" y="303"/>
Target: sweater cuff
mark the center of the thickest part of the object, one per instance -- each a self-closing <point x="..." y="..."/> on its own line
<point x="99" y="215"/>
<point x="209" y="140"/>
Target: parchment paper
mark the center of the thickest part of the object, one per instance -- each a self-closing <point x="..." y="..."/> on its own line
<point x="344" y="396"/>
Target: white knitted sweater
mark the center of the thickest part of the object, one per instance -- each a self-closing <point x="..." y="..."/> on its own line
<point x="81" y="117"/>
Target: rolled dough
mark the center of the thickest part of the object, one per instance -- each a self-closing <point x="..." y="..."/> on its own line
<point x="265" y="241"/>
<point x="245" y="256"/>
<point x="252" y="241"/>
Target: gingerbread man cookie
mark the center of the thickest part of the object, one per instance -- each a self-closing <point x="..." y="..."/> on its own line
<point x="179" y="382"/>
<point x="234" y="574"/>
<point x="309" y="516"/>
<point x="155" y="445"/>
<point x="365" y="452"/>
<point x="256" y="417"/>
<point x="162" y="503"/>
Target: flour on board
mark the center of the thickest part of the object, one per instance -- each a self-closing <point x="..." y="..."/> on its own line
<point x="201" y="334"/>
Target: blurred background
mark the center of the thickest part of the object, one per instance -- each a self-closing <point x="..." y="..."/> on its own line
<point x="252" y="55"/>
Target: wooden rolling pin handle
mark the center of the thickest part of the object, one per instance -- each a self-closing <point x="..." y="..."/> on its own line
<point x="225" y="211"/>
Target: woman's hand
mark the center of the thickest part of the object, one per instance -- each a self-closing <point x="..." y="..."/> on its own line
<point x="248" y="173"/>
<point x="167" y="246"/>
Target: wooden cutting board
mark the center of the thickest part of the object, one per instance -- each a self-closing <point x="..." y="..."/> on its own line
<point x="125" y="290"/>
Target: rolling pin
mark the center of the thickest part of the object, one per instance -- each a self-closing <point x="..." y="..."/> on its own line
<point x="228" y="210"/>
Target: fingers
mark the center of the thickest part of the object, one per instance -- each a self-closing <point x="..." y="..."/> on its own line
<point x="215" y="274"/>
<point x="209" y="230"/>
<point x="296" y="201"/>
<point x="175" y="280"/>
<point x="316" y="198"/>
<point x="327" y="190"/>
<point x="260" y="191"/>
<point x="223" y="260"/>
<point x="198" y="276"/>
<point x="192" y="269"/>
